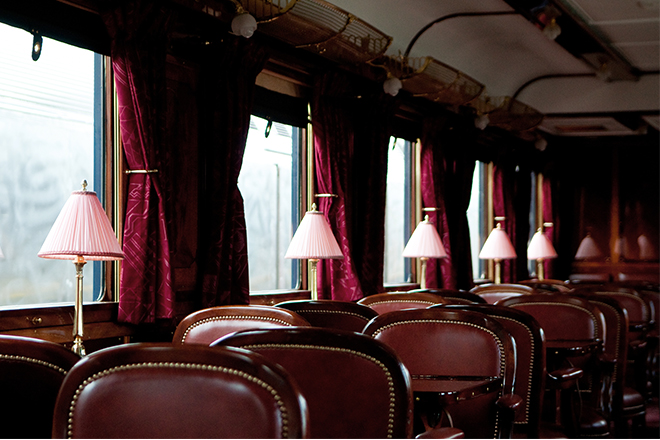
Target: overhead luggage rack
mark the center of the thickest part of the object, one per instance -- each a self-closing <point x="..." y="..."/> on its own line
<point x="319" y="27"/>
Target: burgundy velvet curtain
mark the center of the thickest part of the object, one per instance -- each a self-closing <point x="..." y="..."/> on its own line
<point x="511" y="199"/>
<point x="139" y="42"/>
<point x="351" y="135"/>
<point x="228" y="75"/>
<point x="548" y="216"/>
<point x="446" y="178"/>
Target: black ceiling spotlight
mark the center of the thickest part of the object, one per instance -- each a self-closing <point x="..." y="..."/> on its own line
<point x="37" y="43"/>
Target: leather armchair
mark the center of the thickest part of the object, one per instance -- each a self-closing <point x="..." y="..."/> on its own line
<point x="462" y="365"/>
<point x="496" y="292"/>
<point x="31" y="373"/>
<point x="206" y="325"/>
<point x="327" y="313"/>
<point x="530" y="362"/>
<point x="574" y="331"/>
<point x="178" y="391"/>
<point x="388" y="302"/>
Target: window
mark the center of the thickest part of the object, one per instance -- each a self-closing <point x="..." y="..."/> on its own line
<point x="477" y="218"/>
<point x="270" y="187"/>
<point x="396" y="269"/>
<point x="50" y="141"/>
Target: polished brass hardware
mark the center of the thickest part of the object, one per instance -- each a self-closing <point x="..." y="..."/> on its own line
<point x="35" y="320"/>
<point x="140" y="171"/>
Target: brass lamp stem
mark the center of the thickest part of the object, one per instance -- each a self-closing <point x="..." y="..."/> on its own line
<point x="540" y="270"/>
<point x="498" y="271"/>
<point x="312" y="280"/>
<point x="78" y="347"/>
<point x="422" y="281"/>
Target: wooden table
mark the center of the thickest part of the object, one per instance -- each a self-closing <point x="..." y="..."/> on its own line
<point x="433" y="394"/>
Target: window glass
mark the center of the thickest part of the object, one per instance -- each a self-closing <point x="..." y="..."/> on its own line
<point x="476" y="215"/>
<point x="396" y="268"/>
<point x="46" y="151"/>
<point x="266" y="181"/>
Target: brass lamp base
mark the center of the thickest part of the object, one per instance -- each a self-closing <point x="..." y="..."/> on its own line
<point x="498" y="271"/>
<point x="312" y="281"/>
<point x="78" y="346"/>
<point x="540" y="270"/>
<point x="422" y="279"/>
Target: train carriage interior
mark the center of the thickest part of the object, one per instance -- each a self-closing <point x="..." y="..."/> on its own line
<point x="462" y="195"/>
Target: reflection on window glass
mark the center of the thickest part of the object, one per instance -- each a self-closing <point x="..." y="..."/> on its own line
<point x="396" y="211"/>
<point x="46" y="150"/>
<point x="266" y="184"/>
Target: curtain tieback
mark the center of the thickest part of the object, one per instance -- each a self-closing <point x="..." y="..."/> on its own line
<point x="140" y="171"/>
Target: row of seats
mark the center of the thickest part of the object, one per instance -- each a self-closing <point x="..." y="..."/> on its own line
<point x="597" y="407"/>
<point x="395" y="365"/>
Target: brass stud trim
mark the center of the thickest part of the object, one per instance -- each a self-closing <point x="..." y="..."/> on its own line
<point x="388" y="375"/>
<point x="177" y="365"/>
<point x="19" y="358"/>
<point x="230" y="317"/>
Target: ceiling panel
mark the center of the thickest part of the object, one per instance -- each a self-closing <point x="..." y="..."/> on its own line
<point x="610" y="10"/>
<point x="646" y="56"/>
<point x="631" y="31"/>
<point x="505" y="52"/>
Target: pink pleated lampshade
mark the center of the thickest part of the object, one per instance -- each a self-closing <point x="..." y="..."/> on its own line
<point x="497" y="246"/>
<point x="313" y="239"/>
<point x="540" y="247"/>
<point x="425" y="242"/>
<point x="82" y="229"/>
<point x="588" y="249"/>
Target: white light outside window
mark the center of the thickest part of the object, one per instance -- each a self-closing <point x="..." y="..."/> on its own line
<point x="46" y="150"/>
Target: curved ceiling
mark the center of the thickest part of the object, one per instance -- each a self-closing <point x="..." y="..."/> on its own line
<point x="507" y="53"/>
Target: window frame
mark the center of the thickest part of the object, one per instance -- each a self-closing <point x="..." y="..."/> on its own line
<point x="54" y="322"/>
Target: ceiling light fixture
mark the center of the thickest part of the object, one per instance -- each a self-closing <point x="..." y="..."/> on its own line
<point x="481" y="121"/>
<point x="552" y="30"/>
<point x="37" y="44"/>
<point x="243" y="23"/>
<point x="392" y="85"/>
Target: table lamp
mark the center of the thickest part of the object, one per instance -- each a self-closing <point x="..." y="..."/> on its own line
<point x="588" y="249"/>
<point x="540" y="248"/>
<point x="424" y="243"/>
<point x="81" y="232"/>
<point x="313" y="241"/>
<point x="497" y="247"/>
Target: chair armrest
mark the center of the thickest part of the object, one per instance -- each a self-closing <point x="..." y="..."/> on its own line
<point x="442" y="433"/>
<point x="564" y="378"/>
<point x="606" y="363"/>
<point x="510" y="402"/>
<point x="637" y="345"/>
<point x="508" y="406"/>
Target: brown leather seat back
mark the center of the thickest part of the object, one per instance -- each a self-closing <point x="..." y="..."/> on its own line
<point x="389" y="302"/>
<point x="496" y="292"/>
<point x="530" y="361"/>
<point x="449" y="343"/>
<point x="31" y="373"/>
<point x="574" y="331"/>
<point x="178" y="391"/>
<point x="327" y="313"/>
<point x="455" y="296"/>
<point x="562" y="317"/>
<point x="355" y="386"/>
<point x="639" y="313"/>
<point x="615" y="348"/>
<point x="207" y="325"/>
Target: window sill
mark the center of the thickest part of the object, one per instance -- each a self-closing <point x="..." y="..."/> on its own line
<point x="55" y="322"/>
<point x="276" y="297"/>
